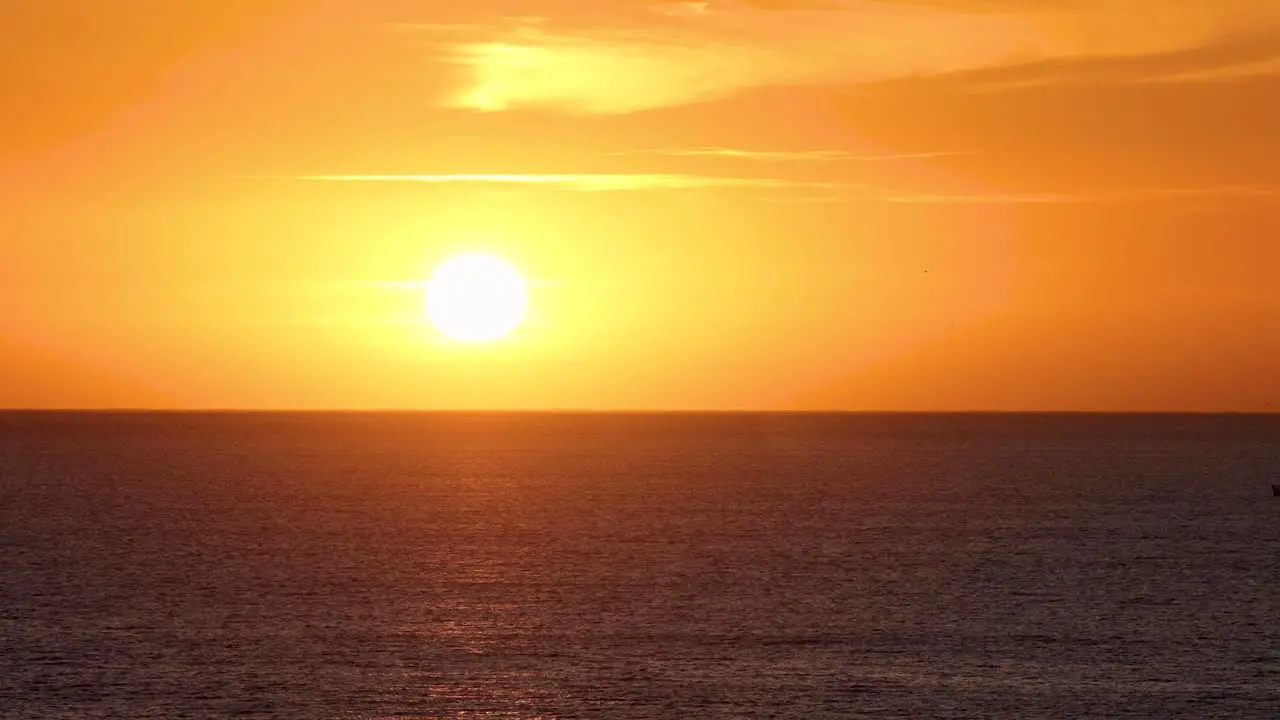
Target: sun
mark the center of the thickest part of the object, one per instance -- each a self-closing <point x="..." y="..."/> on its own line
<point x="477" y="298"/>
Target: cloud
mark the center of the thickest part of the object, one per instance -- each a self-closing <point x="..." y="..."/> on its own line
<point x="1240" y="71"/>
<point x="1241" y="56"/>
<point x="782" y="155"/>
<point x="693" y="52"/>
<point x="715" y="54"/>
<point x="829" y="192"/>
<point x="1243" y="192"/>
<point x="588" y="182"/>
<point x="985" y="199"/>
<point x="1121" y="196"/>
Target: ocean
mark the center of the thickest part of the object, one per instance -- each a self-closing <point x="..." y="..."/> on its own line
<point x="349" y="566"/>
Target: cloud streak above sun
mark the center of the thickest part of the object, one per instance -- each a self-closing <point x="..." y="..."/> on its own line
<point x="826" y="191"/>
<point x="681" y="53"/>
<point x="590" y="182"/>
<point x="714" y="54"/>
<point x="783" y="155"/>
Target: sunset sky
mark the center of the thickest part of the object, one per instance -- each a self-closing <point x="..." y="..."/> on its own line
<point x="750" y="204"/>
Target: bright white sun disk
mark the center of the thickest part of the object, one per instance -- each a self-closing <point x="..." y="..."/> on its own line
<point x="476" y="298"/>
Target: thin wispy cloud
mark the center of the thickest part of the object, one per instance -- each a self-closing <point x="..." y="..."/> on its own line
<point x="826" y="192"/>
<point x="980" y="199"/>
<point x="1244" y="192"/>
<point x="1239" y="71"/>
<point x="782" y="155"/>
<point x="694" y="52"/>
<point x="1117" y="196"/>
<point x="714" y="54"/>
<point x="619" y="182"/>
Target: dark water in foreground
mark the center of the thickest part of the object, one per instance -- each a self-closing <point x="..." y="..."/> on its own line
<point x="441" y="566"/>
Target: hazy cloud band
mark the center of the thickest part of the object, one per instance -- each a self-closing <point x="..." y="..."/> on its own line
<point x="586" y="182"/>
<point x="693" y="52"/>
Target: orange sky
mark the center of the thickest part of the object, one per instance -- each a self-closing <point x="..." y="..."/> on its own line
<point x="766" y="204"/>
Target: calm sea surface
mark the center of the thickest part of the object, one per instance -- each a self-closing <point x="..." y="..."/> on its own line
<point x="560" y="566"/>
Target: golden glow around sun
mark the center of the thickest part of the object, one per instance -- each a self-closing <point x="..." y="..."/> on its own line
<point x="476" y="298"/>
